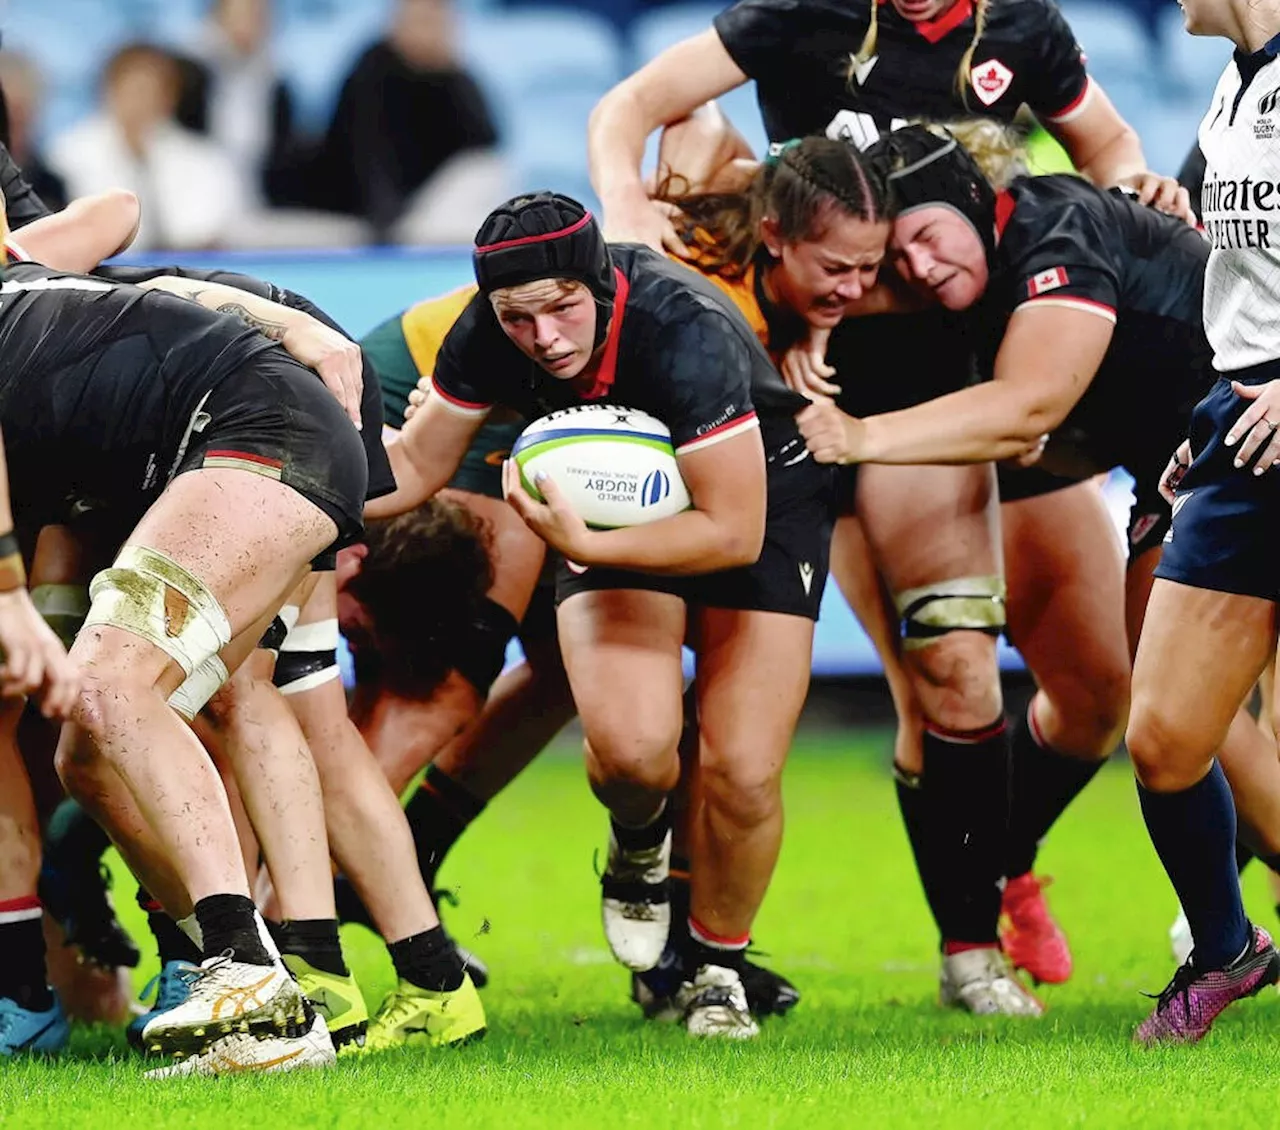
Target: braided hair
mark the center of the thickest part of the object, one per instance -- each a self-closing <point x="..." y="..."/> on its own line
<point x="799" y="186"/>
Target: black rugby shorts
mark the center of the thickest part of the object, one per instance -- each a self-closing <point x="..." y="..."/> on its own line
<point x="274" y="417"/>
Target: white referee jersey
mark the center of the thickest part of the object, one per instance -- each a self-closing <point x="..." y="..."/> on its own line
<point x="1240" y="208"/>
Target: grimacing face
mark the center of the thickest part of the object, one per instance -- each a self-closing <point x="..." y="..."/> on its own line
<point x="818" y="278"/>
<point x="551" y="321"/>
<point x="940" y="252"/>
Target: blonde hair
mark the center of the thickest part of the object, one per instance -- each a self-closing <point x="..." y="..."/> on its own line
<point x="997" y="149"/>
<point x="868" y="48"/>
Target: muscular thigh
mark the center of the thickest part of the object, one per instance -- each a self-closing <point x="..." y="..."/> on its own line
<point x="929" y="523"/>
<point x="621" y="650"/>
<point x="1066" y="585"/>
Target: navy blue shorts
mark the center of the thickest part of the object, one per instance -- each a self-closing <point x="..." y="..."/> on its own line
<point x="1225" y="518"/>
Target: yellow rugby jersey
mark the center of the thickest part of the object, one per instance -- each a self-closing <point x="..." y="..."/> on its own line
<point x="403" y="348"/>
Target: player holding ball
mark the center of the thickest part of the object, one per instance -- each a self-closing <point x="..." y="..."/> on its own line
<point x="562" y="319"/>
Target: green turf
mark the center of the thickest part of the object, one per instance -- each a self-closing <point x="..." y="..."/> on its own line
<point x="867" y="1046"/>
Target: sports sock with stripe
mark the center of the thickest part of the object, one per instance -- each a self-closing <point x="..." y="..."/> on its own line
<point x="709" y="948"/>
<point x="1043" y="782"/>
<point x="22" y="972"/>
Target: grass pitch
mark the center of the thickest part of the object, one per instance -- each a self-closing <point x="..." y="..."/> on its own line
<point x="867" y="1045"/>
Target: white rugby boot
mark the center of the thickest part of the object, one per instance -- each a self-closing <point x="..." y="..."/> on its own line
<point x="983" y="982"/>
<point x="241" y="1053"/>
<point x="229" y="996"/>
<point x="714" y="1003"/>
<point x="635" y="904"/>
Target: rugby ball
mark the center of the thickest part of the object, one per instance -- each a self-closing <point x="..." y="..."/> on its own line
<point x="615" y="465"/>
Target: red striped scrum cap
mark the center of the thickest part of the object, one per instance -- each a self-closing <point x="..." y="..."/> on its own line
<point x="542" y="235"/>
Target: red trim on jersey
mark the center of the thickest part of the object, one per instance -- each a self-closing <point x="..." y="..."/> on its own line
<point x="1069" y="300"/>
<point x="608" y="370"/>
<point x="22" y="902"/>
<point x="457" y="401"/>
<point x="1075" y="103"/>
<point x="720" y="431"/>
<point x="1004" y="211"/>
<point x="937" y="30"/>
<point x="247" y="457"/>
<point x="524" y="240"/>
<point x="15" y="252"/>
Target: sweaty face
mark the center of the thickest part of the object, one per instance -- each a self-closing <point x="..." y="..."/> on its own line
<point x="919" y="11"/>
<point x="818" y="278"/>
<point x="551" y="321"/>
<point x="938" y="251"/>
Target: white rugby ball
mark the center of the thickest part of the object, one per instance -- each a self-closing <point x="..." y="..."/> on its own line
<point x="615" y="465"/>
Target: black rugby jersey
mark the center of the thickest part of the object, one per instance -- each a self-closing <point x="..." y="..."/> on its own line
<point x="800" y="54"/>
<point x="1064" y="242"/>
<point x="21" y="204"/>
<point x="677" y="348"/>
<point x="99" y="382"/>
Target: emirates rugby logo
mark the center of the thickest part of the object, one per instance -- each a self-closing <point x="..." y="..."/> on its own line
<point x="990" y="81"/>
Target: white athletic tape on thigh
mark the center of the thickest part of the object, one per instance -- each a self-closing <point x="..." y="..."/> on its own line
<point x="154" y="597"/>
<point x="199" y="687"/>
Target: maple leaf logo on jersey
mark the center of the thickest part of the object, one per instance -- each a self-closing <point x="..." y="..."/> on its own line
<point x="990" y="80"/>
<point x="1047" y="280"/>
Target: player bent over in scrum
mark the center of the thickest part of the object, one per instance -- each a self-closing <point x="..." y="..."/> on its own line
<point x="240" y="469"/>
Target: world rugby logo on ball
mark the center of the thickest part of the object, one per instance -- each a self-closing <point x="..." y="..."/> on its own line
<point x="615" y="465"/>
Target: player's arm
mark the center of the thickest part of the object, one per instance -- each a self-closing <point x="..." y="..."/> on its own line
<point x="34" y="661"/>
<point x="334" y="357"/>
<point x="1107" y="150"/>
<point x="426" y="452"/>
<point x="664" y="91"/>
<point x="84" y="233"/>
<point x="1047" y="359"/>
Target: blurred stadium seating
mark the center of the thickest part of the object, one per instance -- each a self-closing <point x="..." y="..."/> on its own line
<point x="543" y="65"/>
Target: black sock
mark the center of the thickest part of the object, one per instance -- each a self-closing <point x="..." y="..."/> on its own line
<point x="227" y="923"/>
<point x="22" y="973"/>
<point x="914" y="806"/>
<point x="315" y="940"/>
<point x="968" y="812"/>
<point x="73" y="838"/>
<point x="1270" y="862"/>
<point x="429" y="960"/>
<point x="1042" y="782"/>
<point x="171" y="942"/>
<point x="1194" y="835"/>
<point x="1244" y="856"/>
<point x="438" y="813"/>
<point x="648" y="836"/>
<point x="679" y="941"/>
<point x="706" y="948"/>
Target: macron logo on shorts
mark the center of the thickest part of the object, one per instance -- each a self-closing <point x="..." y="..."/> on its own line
<point x="806" y="576"/>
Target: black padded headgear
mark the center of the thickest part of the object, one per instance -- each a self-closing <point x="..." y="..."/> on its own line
<point x="925" y="169"/>
<point x="543" y="235"/>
